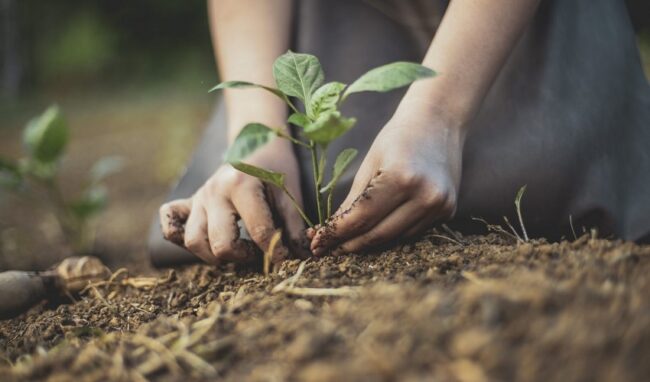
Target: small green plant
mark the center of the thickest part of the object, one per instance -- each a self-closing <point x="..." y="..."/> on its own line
<point x="45" y="138"/>
<point x="300" y="76"/>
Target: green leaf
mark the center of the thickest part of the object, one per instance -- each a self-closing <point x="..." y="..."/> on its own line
<point x="105" y="167"/>
<point x="389" y="77"/>
<point x="275" y="178"/>
<point x="10" y="176"/>
<point x="91" y="203"/>
<point x="342" y="162"/>
<point x="298" y="75"/>
<point x="46" y="135"/>
<point x="299" y="119"/>
<point x="328" y="127"/>
<point x="325" y="99"/>
<point x="250" y="138"/>
<point x="243" y="85"/>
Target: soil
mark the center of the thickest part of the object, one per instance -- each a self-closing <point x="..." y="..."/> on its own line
<point x="447" y="307"/>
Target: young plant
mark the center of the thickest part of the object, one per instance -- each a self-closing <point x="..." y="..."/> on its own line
<point x="301" y="77"/>
<point x="45" y="138"/>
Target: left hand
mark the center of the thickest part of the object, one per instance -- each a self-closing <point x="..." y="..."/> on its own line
<point x="408" y="181"/>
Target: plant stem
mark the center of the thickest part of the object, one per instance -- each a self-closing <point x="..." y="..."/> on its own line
<point x="295" y="204"/>
<point x="72" y="229"/>
<point x="314" y="163"/>
<point x="282" y="134"/>
<point x="329" y="202"/>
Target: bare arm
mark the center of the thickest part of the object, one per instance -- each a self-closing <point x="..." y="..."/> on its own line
<point x="469" y="49"/>
<point x="248" y="35"/>
<point x="412" y="172"/>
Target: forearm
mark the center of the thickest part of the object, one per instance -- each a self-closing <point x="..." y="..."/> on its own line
<point x="471" y="45"/>
<point x="248" y="35"/>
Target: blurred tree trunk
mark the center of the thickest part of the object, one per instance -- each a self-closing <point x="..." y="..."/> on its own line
<point x="11" y="62"/>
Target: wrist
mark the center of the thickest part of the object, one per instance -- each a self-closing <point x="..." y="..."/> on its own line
<point x="439" y="100"/>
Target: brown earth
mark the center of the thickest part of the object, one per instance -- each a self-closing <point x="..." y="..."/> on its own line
<point x="451" y="309"/>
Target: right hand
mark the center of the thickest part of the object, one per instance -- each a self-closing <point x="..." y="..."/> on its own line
<point x="206" y="223"/>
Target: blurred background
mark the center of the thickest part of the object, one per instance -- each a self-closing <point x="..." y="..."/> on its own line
<point x="131" y="78"/>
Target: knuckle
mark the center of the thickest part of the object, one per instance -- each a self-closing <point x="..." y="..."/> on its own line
<point x="221" y="250"/>
<point x="372" y="239"/>
<point x="356" y="224"/>
<point x="192" y="243"/>
<point x="408" y="178"/>
<point x="261" y="234"/>
<point x="212" y="185"/>
<point x="164" y="209"/>
<point x="432" y="197"/>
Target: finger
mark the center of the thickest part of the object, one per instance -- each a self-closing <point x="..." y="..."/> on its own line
<point x="253" y="207"/>
<point x="196" y="236"/>
<point x="390" y="228"/>
<point x="223" y="233"/>
<point x="173" y="216"/>
<point x="437" y="215"/>
<point x="381" y="197"/>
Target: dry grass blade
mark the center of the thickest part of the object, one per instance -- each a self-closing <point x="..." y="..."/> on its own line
<point x="291" y="281"/>
<point x="269" y="252"/>
<point x="320" y="292"/>
<point x="197" y="363"/>
<point x="573" y="231"/>
<point x="514" y="231"/>
<point x="101" y="298"/>
<point x="206" y="325"/>
<point x="496" y="228"/>
<point x="446" y="238"/>
<point x="288" y="286"/>
<point x="450" y="231"/>
<point x="162" y="356"/>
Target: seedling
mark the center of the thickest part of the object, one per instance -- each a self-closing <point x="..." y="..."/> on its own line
<point x="520" y="194"/>
<point x="45" y="138"/>
<point x="320" y="122"/>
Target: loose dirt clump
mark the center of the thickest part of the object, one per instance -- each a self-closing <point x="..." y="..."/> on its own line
<point x="445" y="308"/>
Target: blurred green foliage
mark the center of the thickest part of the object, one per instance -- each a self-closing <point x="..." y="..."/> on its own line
<point x="84" y="47"/>
<point x="45" y="139"/>
<point x="71" y="42"/>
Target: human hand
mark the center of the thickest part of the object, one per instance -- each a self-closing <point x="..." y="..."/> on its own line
<point x="206" y="223"/>
<point x="408" y="180"/>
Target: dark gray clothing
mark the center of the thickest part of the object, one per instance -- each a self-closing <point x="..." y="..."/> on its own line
<point x="568" y="115"/>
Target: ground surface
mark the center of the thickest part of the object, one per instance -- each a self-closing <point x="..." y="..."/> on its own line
<point x="455" y="308"/>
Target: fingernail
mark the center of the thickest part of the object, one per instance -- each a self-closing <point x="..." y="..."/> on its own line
<point x="318" y="251"/>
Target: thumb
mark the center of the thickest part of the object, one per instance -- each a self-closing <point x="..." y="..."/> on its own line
<point x="173" y="216"/>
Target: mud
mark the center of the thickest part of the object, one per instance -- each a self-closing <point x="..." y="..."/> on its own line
<point x="447" y="307"/>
